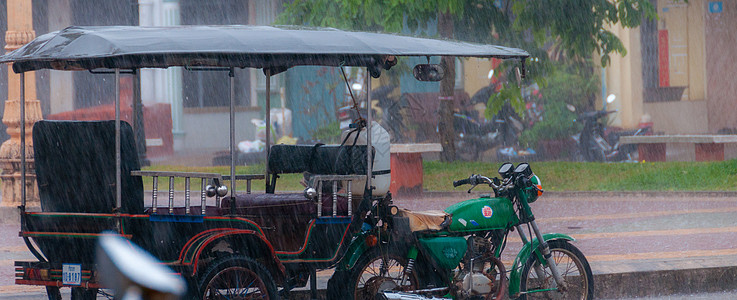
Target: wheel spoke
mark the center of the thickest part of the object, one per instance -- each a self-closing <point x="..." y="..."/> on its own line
<point x="571" y="269"/>
<point x="236" y="283"/>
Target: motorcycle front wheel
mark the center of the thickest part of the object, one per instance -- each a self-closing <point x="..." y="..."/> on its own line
<point x="572" y="265"/>
<point x="376" y="272"/>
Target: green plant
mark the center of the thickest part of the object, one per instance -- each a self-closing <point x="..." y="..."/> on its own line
<point x="571" y="84"/>
<point x="558" y="123"/>
<point x="327" y="134"/>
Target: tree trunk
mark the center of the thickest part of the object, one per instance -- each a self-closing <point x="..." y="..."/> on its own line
<point x="447" y="85"/>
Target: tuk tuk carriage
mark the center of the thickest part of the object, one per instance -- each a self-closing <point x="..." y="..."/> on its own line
<point x="233" y="241"/>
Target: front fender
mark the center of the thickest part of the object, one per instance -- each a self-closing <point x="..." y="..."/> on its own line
<point x="355" y="250"/>
<point x="524" y="254"/>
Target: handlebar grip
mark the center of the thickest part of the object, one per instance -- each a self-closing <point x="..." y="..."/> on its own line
<point x="461" y="182"/>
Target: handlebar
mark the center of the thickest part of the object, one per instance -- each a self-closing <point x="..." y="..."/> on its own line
<point x="461" y="182"/>
<point x="506" y="184"/>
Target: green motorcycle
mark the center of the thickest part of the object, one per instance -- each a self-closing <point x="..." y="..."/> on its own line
<point x="457" y="253"/>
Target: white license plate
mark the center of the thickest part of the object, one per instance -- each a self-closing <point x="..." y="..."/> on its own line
<point x="71" y="274"/>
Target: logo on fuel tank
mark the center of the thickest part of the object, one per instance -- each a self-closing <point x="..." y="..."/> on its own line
<point x="487" y="212"/>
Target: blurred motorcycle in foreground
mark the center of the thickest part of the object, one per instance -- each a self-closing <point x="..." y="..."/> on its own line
<point x="132" y="273"/>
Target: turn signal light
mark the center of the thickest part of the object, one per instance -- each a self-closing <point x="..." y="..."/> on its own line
<point x="371" y="240"/>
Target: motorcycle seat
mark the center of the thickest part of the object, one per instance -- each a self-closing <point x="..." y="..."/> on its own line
<point x="424" y="220"/>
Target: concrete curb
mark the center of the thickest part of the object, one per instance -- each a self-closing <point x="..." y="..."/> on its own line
<point x="665" y="282"/>
<point x="628" y="194"/>
<point x="640" y="284"/>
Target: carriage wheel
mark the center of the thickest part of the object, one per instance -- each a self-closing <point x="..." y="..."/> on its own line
<point x="237" y="277"/>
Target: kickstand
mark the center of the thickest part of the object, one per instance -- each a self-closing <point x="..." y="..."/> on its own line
<point x="313" y="284"/>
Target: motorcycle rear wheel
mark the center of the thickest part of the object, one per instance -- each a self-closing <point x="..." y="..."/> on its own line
<point x="375" y="272"/>
<point x="572" y="265"/>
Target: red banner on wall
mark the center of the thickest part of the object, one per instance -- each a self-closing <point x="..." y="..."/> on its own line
<point x="663" y="66"/>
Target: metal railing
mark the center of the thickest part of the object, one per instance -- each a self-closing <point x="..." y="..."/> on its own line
<point x="205" y="178"/>
<point x="318" y="180"/>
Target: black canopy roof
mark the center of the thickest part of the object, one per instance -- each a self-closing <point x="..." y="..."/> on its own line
<point x="128" y="47"/>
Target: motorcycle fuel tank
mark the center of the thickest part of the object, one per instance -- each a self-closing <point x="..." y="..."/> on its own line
<point x="482" y="214"/>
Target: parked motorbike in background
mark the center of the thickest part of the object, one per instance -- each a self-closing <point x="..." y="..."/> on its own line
<point x="596" y="143"/>
<point x="477" y="134"/>
<point x="474" y="137"/>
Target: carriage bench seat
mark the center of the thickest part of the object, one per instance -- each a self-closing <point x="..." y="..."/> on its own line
<point x="293" y="204"/>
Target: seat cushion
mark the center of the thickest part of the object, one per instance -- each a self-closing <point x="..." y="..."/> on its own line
<point x="282" y="204"/>
<point x="423" y="220"/>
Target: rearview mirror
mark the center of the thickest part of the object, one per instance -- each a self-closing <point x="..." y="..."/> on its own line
<point x="428" y="72"/>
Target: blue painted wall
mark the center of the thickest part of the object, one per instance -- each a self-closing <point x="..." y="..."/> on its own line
<point x="313" y="94"/>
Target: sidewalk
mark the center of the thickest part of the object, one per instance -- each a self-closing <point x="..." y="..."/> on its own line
<point x="637" y="244"/>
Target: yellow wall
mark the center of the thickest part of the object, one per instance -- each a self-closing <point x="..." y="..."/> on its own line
<point x="476" y="72"/>
<point x="624" y="79"/>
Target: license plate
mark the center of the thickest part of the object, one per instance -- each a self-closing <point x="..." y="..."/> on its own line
<point x="71" y="274"/>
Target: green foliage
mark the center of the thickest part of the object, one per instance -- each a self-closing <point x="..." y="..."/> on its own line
<point x="585" y="176"/>
<point x="573" y="83"/>
<point x="558" y="123"/>
<point x="581" y="26"/>
<point x="567" y="84"/>
<point x="509" y="93"/>
<point x="556" y="176"/>
<point x="327" y="134"/>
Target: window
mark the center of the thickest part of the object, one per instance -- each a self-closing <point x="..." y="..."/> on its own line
<point x="672" y="52"/>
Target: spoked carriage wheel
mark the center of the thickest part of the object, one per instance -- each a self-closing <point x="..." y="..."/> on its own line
<point x="237" y="277"/>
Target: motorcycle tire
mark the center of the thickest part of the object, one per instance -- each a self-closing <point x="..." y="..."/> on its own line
<point x="361" y="283"/>
<point x="573" y="267"/>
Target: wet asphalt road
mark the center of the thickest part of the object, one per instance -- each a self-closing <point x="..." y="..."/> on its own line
<point x="617" y="233"/>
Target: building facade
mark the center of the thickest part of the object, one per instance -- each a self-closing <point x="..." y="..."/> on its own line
<point x="678" y="69"/>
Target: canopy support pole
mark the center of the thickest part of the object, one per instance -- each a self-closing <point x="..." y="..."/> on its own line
<point x="267" y="72"/>
<point x="118" y="190"/>
<point x="233" y="156"/>
<point x="369" y="156"/>
<point x="23" y="141"/>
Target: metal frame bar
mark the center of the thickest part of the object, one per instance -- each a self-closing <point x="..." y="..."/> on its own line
<point x="231" y="74"/>
<point x="267" y="72"/>
<point x="369" y="158"/>
<point x="23" y="139"/>
<point x="118" y="190"/>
